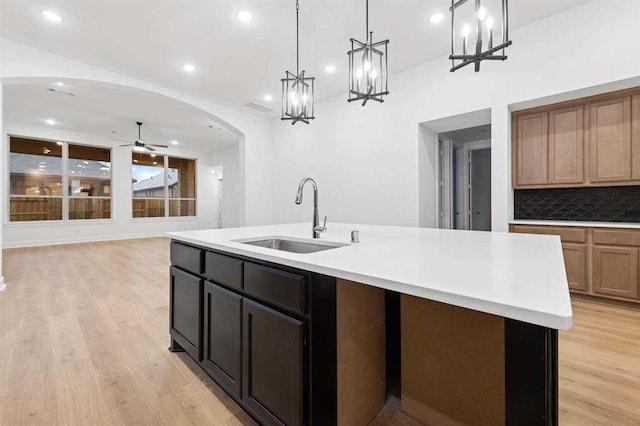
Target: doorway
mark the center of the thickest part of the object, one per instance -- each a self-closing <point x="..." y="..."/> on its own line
<point x="464" y="179"/>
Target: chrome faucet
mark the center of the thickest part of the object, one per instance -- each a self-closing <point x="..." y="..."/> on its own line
<point x="316" y="228"/>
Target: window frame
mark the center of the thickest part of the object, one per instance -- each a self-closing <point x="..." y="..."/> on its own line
<point x="65" y="197"/>
<point x="167" y="199"/>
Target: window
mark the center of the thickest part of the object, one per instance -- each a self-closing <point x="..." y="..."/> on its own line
<point x="42" y="188"/>
<point x="35" y="180"/>
<point x="89" y="182"/>
<point x="182" y="187"/>
<point x="163" y="186"/>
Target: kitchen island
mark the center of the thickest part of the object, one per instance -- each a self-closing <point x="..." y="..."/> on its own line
<point x="449" y="327"/>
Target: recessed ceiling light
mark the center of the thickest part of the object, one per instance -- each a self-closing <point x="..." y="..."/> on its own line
<point x="59" y="143"/>
<point x="330" y="68"/>
<point x="437" y="17"/>
<point x="174" y="142"/>
<point x="268" y="98"/>
<point x="50" y="121"/>
<point x="244" y="16"/>
<point x="51" y="16"/>
<point x="60" y="84"/>
<point x="190" y="68"/>
<point x="153" y="155"/>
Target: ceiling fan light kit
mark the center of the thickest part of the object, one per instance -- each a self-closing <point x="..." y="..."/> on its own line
<point x="298" y="90"/>
<point x="368" y="68"/>
<point x="468" y="44"/>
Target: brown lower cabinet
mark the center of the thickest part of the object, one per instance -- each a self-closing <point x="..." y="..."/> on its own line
<point x="575" y="261"/>
<point x="615" y="271"/>
<point x="599" y="261"/>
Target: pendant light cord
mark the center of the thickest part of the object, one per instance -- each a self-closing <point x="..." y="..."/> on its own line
<point x="297" y="38"/>
<point x="367" y="34"/>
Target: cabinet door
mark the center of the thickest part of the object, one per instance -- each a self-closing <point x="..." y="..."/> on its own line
<point x="615" y="271"/>
<point x="610" y="140"/>
<point x="273" y="365"/>
<point x="532" y="149"/>
<point x="566" y="146"/>
<point x="186" y="311"/>
<point x="222" y="354"/>
<point x="575" y="261"/>
<point x="635" y="137"/>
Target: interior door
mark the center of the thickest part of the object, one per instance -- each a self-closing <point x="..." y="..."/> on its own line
<point x="480" y="189"/>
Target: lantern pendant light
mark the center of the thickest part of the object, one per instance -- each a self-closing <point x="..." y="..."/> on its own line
<point x="368" y="68"/>
<point x="298" y="90"/>
<point x="473" y="48"/>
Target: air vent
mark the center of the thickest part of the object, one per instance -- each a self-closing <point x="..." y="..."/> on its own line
<point x="62" y="92"/>
<point x="259" y="107"/>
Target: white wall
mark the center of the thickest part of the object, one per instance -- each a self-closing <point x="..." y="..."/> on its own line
<point x="121" y="225"/>
<point x="231" y="189"/>
<point x="372" y="164"/>
<point x="18" y="62"/>
<point x="2" y="169"/>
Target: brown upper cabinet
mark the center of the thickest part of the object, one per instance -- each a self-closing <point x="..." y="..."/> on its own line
<point x="532" y="149"/>
<point x="566" y="145"/>
<point x="590" y="142"/>
<point x="610" y="140"/>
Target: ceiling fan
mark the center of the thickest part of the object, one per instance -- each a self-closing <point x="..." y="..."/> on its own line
<point x="139" y="145"/>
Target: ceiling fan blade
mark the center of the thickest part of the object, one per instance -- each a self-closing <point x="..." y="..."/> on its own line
<point x="158" y="146"/>
<point x="148" y="148"/>
<point x="129" y="144"/>
<point x="120" y="140"/>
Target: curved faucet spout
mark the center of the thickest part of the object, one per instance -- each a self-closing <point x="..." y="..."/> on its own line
<point x="301" y="187"/>
<point x="316" y="228"/>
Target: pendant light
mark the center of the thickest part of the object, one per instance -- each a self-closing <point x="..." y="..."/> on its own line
<point x="368" y="68"/>
<point x="297" y="89"/>
<point x="470" y="36"/>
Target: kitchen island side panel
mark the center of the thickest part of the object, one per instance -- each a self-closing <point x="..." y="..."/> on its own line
<point x="453" y="364"/>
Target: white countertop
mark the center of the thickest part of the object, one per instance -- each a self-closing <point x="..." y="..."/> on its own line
<point x="576" y="223"/>
<point x="516" y="276"/>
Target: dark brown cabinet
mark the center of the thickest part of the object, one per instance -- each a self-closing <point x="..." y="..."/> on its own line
<point x="186" y="311"/>
<point x="222" y="346"/>
<point x="264" y="332"/>
<point x="273" y="365"/>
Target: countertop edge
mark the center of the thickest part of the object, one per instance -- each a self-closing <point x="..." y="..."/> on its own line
<point x="558" y="322"/>
<point x="576" y="224"/>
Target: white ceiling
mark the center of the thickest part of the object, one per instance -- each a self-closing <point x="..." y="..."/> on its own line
<point x="101" y="109"/>
<point x="236" y="62"/>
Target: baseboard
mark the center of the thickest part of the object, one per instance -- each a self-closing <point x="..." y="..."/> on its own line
<point x="3" y="286"/>
<point x="26" y="244"/>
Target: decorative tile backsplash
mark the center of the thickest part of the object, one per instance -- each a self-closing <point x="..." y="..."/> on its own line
<point x="606" y="204"/>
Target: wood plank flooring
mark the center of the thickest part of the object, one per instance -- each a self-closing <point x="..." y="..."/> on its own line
<point x="84" y="336"/>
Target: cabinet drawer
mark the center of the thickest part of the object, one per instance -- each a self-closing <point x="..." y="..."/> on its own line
<point x="223" y="270"/>
<point x="567" y="234"/>
<point x="619" y="237"/>
<point x="186" y="257"/>
<point x="280" y="288"/>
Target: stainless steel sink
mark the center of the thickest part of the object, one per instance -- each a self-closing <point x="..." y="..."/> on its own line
<point x="290" y="245"/>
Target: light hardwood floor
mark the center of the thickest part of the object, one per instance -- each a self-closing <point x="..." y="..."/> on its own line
<point x="84" y="336"/>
